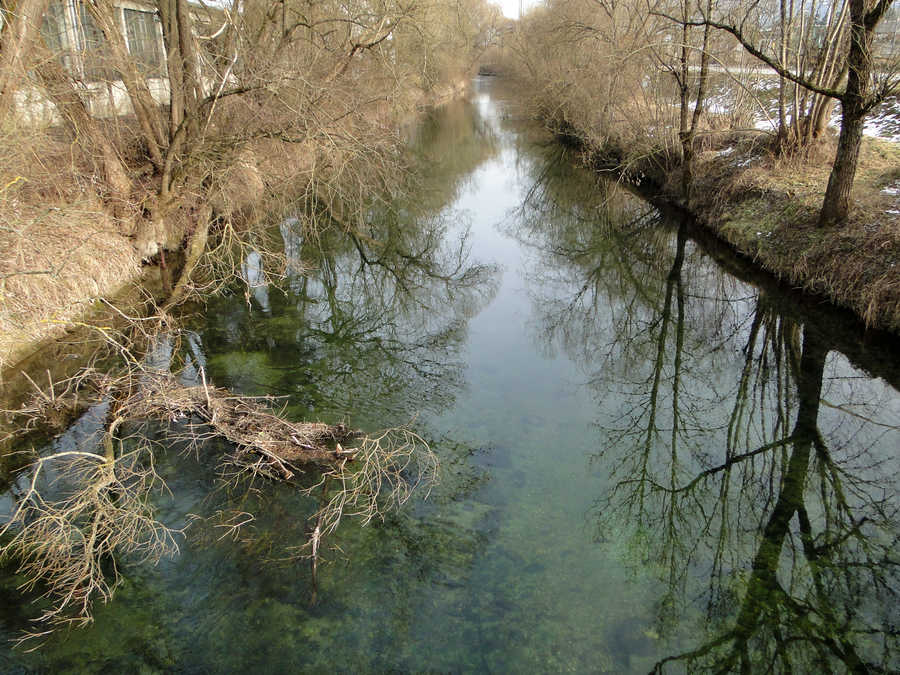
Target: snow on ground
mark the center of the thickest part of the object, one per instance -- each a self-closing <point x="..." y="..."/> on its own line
<point x="893" y="189"/>
<point x="883" y="122"/>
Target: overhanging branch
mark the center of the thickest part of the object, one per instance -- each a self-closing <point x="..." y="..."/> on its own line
<point x="754" y="51"/>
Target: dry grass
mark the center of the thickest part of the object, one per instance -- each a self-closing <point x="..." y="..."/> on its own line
<point x="54" y="261"/>
<point x="768" y="208"/>
<point x="58" y="247"/>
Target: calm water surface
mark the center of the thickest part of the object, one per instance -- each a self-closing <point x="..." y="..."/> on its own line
<point x="645" y="459"/>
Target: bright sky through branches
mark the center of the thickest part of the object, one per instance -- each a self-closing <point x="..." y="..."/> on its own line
<point x="511" y="7"/>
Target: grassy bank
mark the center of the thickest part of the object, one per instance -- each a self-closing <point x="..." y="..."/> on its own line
<point x="55" y="262"/>
<point x="767" y="209"/>
<point x="685" y="100"/>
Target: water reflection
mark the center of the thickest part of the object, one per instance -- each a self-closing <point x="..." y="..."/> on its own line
<point x="380" y="316"/>
<point x="371" y="333"/>
<point x="754" y="466"/>
<point x="367" y="327"/>
<point x="253" y="274"/>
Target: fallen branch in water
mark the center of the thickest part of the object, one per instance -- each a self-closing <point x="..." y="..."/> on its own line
<point x="65" y="538"/>
<point x="64" y="545"/>
<point x="264" y="442"/>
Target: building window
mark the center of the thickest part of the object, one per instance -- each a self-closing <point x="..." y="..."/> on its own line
<point x="94" y="50"/>
<point x="143" y="39"/>
<point x="54" y="33"/>
<point x="53" y="27"/>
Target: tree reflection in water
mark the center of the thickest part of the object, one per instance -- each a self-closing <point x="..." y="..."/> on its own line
<point x="754" y="464"/>
<point x="365" y="327"/>
<point x="369" y="333"/>
<point x="380" y="309"/>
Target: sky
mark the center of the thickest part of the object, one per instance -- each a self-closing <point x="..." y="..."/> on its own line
<point x="511" y="7"/>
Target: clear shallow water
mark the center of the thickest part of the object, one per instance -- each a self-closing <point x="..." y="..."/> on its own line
<point x="643" y="456"/>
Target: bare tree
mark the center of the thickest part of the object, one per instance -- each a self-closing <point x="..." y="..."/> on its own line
<point x="84" y="130"/>
<point x="865" y="88"/>
<point x="688" y="121"/>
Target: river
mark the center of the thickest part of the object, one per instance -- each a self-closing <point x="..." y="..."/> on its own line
<point x="650" y="456"/>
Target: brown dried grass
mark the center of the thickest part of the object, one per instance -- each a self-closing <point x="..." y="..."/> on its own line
<point x="54" y="262"/>
<point x="768" y="210"/>
<point x="58" y="249"/>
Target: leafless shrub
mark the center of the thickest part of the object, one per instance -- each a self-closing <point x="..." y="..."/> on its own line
<point x="66" y="544"/>
<point x="82" y="509"/>
<point x="380" y="473"/>
<point x="377" y="473"/>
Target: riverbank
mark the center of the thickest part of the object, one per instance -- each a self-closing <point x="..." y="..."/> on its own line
<point x="65" y="254"/>
<point x="54" y="266"/>
<point x="766" y="208"/>
<point x="546" y="377"/>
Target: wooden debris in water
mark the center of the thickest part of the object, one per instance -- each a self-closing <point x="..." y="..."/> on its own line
<point x="260" y="437"/>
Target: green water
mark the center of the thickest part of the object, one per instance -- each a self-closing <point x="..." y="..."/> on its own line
<point x="647" y="455"/>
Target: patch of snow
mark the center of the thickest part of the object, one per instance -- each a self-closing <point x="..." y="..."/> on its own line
<point x="883" y="122"/>
<point x="726" y="151"/>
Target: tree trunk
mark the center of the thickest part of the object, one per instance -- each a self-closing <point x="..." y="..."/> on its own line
<point x="184" y="85"/>
<point x="782" y="134"/>
<point x="173" y="64"/>
<point x="855" y="103"/>
<point x="191" y="69"/>
<point x="836" y="206"/>
<point x="20" y="31"/>
<point x="145" y="108"/>
<point x="821" y="117"/>
<point x="688" y="134"/>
